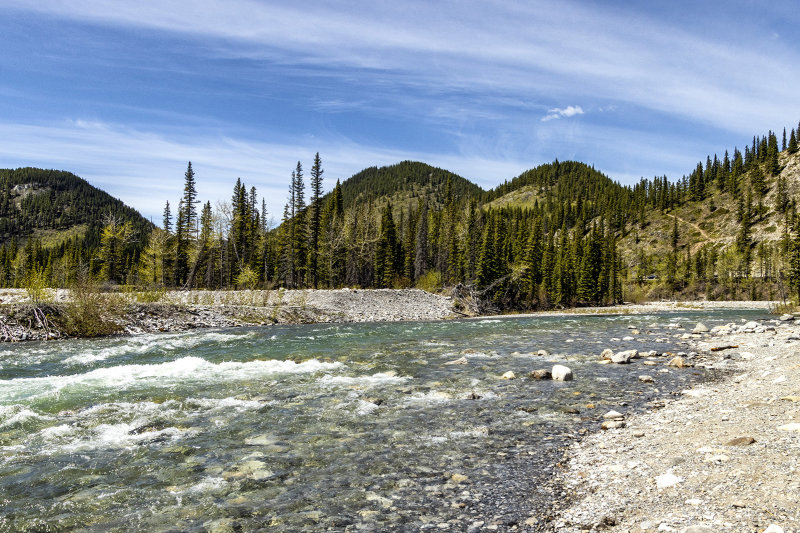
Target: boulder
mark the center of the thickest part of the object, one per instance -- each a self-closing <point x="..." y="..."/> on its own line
<point x="786" y="317"/>
<point x="623" y="358"/>
<point x="607" y="354"/>
<point x="543" y="353"/>
<point x="751" y="325"/>
<point x="700" y="328"/>
<point x="562" y="373"/>
<point x="509" y="375"/>
<point x="541" y="374"/>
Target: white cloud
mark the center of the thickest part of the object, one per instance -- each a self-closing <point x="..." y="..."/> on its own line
<point x="569" y="111"/>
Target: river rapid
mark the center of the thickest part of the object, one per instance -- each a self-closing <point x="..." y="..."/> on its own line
<point x="358" y="427"/>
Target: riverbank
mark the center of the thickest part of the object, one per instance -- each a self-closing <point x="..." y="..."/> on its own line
<point x="135" y="313"/>
<point x="722" y="456"/>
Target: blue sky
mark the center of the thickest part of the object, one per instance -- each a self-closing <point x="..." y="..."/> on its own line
<point x="125" y="93"/>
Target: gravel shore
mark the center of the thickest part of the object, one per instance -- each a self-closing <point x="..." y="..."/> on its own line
<point x="184" y="310"/>
<point x="722" y="456"/>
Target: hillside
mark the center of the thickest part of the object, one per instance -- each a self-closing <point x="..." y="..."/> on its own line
<point x="54" y="206"/>
<point x="405" y="181"/>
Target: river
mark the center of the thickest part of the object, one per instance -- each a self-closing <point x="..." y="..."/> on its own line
<point x="358" y="427"/>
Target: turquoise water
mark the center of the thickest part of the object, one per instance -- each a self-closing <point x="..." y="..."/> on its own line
<point x="312" y="427"/>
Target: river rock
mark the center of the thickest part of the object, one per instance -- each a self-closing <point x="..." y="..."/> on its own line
<point x="623" y="358"/>
<point x="541" y="374"/>
<point x="698" y="529"/>
<point x="509" y="375"/>
<point x="679" y="362"/>
<point x="613" y="415"/>
<point x="750" y="325"/>
<point x="543" y="353"/>
<point x="612" y="424"/>
<point x="459" y="361"/>
<point x="562" y="373"/>
<point x="794" y="426"/>
<point x="700" y="328"/>
<point x="774" y="528"/>
<point x="646" y="379"/>
<point x="786" y="318"/>
<point x="608" y="353"/>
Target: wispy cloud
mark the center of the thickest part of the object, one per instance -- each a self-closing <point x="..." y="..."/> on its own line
<point x="628" y="56"/>
<point x="569" y="111"/>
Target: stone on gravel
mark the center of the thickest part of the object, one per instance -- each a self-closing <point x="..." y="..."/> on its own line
<point x="668" y="480"/>
<point x="700" y="328"/>
<point x="562" y="373"/>
<point x="646" y="379"/>
<point x="741" y="441"/>
<point x="698" y="529"/>
<point x="509" y="375"/>
<point x="786" y="318"/>
<point x="794" y="426"/>
<point x="613" y="415"/>
<point x="613" y="424"/>
<point x="774" y="528"/>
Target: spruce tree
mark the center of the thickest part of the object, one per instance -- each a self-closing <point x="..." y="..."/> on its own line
<point x="189" y="201"/>
<point x="315" y="219"/>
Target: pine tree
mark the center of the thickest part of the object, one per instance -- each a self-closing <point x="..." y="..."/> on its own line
<point x="316" y="217"/>
<point x="189" y="201"/>
<point x="167" y="224"/>
<point x="792" y="146"/>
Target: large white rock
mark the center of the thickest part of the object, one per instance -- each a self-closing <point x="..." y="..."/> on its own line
<point x="700" y="328"/>
<point x="667" y="480"/>
<point x="562" y="373"/>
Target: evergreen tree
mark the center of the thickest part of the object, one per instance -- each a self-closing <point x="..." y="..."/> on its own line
<point x="189" y="201"/>
<point x="167" y="224"/>
<point x="316" y="217"/>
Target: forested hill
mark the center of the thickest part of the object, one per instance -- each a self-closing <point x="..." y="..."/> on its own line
<point x="558" y="235"/>
<point x="405" y="180"/>
<point x="38" y="202"/>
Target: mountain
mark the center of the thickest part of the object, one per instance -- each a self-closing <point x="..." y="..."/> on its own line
<point x="54" y="205"/>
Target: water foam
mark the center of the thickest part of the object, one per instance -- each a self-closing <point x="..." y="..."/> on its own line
<point x="184" y="370"/>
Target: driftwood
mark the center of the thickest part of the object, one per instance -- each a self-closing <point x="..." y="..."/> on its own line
<point x="720" y="348"/>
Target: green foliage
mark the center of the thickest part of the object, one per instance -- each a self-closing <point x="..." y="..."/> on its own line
<point x="90" y="312"/>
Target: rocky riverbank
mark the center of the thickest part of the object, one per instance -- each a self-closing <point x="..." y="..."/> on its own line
<point x="182" y="310"/>
<point x="721" y="457"/>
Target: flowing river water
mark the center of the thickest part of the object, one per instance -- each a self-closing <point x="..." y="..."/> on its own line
<point x="357" y="427"/>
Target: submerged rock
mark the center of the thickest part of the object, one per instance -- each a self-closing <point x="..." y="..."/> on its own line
<point x="541" y="374"/>
<point x="562" y="373"/>
<point x="459" y="361"/>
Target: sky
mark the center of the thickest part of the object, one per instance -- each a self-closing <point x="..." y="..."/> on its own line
<point x="124" y="94"/>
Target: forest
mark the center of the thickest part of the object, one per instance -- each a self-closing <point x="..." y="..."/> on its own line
<point x="562" y="234"/>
